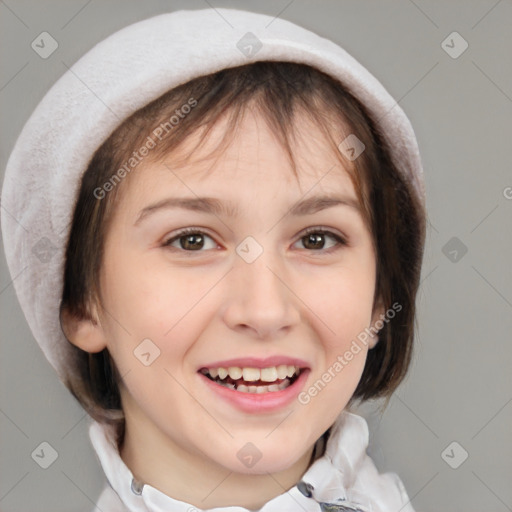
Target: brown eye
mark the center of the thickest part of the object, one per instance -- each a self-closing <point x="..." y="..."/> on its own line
<point x="190" y="240"/>
<point x="315" y="240"/>
<point x="194" y="242"/>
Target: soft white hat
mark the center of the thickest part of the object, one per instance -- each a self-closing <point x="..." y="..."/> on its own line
<point x="114" y="79"/>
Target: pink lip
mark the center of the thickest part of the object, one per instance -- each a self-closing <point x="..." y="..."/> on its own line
<point x="258" y="403"/>
<point x="254" y="362"/>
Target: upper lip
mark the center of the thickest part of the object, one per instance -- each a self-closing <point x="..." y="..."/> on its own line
<point x="255" y="362"/>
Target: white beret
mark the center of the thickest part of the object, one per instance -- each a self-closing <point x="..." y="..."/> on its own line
<point x="114" y="79"/>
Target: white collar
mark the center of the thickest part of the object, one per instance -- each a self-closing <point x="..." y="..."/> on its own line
<point x="344" y="474"/>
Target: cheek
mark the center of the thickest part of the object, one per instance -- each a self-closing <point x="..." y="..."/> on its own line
<point x="342" y="301"/>
<point x="341" y="314"/>
<point x="150" y="329"/>
<point x="137" y="292"/>
<point x="148" y="300"/>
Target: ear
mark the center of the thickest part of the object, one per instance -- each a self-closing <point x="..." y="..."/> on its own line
<point x="85" y="333"/>
<point x="378" y="316"/>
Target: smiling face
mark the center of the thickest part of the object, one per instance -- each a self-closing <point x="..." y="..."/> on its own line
<point x="254" y="284"/>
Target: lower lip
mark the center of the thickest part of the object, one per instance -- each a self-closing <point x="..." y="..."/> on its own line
<point x="256" y="402"/>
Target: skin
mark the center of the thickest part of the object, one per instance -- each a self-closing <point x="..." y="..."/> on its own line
<point x="209" y="304"/>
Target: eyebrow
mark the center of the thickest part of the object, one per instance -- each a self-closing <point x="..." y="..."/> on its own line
<point x="214" y="206"/>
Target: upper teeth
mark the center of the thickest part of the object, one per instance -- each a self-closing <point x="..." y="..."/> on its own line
<point x="270" y="374"/>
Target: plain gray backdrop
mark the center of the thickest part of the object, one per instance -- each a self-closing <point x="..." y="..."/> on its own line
<point x="457" y="399"/>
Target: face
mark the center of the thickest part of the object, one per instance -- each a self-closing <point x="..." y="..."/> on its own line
<point x="255" y="288"/>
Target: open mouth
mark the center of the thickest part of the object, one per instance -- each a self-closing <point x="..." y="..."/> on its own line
<point x="254" y="380"/>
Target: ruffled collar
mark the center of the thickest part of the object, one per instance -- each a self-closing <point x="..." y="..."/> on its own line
<point x="328" y="484"/>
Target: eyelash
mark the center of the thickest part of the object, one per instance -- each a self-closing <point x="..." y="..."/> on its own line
<point x="317" y="230"/>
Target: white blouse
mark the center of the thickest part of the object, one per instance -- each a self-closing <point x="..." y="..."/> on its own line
<point x="344" y="478"/>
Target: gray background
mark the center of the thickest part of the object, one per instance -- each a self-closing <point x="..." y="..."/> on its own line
<point x="459" y="387"/>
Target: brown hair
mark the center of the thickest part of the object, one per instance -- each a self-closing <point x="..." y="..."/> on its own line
<point x="279" y="90"/>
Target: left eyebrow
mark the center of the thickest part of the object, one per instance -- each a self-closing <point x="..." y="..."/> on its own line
<point x="316" y="203"/>
<point x="214" y="206"/>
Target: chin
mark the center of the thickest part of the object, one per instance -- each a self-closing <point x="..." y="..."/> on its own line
<point x="251" y="461"/>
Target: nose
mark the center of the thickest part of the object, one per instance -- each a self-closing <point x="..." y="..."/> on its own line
<point x="260" y="299"/>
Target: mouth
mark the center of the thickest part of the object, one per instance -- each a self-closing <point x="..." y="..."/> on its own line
<point x="252" y="380"/>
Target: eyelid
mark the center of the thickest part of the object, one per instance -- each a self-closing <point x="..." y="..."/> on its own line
<point x="328" y="231"/>
<point x="168" y="239"/>
<point x="336" y="235"/>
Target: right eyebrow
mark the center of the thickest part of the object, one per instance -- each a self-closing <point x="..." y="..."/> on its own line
<point x="197" y="204"/>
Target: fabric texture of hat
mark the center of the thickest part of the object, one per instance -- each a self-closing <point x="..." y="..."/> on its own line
<point x="114" y="79"/>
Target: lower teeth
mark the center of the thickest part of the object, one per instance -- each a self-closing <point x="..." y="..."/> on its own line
<point x="272" y="388"/>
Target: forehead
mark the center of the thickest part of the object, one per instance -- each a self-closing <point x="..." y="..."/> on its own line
<point x="251" y="162"/>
